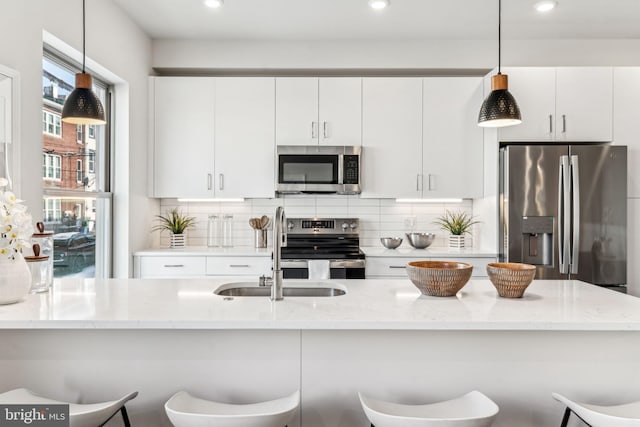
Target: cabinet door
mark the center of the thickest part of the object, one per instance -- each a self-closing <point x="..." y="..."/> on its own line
<point x="340" y="111"/>
<point x="297" y="111"/>
<point x="633" y="247"/>
<point x="535" y="92"/>
<point x="244" y="137"/>
<point x="584" y="104"/>
<point x="183" y="126"/>
<point x="626" y="122"/>
<point x="452" y="141"/>
<point x="391" y="137"/>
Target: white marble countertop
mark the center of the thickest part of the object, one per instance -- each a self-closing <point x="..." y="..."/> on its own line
<point x="369" y="304"/>
<point x="409" y="252"/>
<point x="207" y="251"/>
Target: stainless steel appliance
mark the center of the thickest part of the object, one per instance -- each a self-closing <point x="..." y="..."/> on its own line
<point x="318" y="169"/>
<point x="563" y="208"/>
<point x="335" y="241"/>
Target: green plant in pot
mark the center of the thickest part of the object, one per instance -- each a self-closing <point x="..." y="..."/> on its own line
<point x="175" y="223"/>
<point x="457" y="224"/>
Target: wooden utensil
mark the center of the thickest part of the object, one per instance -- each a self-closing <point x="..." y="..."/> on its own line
<point x="264" y="222"/>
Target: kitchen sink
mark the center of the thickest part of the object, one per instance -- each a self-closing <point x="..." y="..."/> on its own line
<point x="290" y="289"/>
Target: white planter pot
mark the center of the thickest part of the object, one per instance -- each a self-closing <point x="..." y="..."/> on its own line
<point x="15" y="279"/>
<point x="178" y="240"/>
<point x="456" y="241"/>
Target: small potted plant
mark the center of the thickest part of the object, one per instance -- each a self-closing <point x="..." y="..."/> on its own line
<point x="457" y="224"/>
<point x="175" y="223"/>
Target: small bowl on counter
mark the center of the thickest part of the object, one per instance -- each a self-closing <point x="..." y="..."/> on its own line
<point x="439" y="278"/>
<point x="391" y="242"/>
<point x="420" y="240"/>
<point x="511" y="279"/>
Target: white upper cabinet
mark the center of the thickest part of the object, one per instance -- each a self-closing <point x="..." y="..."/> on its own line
<point x="245" y="137"/>
<point x="565" y="104"/>
<point x="626" y="125"/>
<point x="313" y="111"/>
<point x="183" y="133"/>
<point x="452" y="141"/>
<point x="391" y="137"/>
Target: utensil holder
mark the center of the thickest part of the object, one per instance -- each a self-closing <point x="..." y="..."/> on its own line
<point x="260" y="238"/>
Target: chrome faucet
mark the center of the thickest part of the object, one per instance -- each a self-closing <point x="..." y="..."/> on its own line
<point x="279" y="240"/>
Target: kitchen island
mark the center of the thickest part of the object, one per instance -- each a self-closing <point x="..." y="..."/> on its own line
<point x="95" y="339"/>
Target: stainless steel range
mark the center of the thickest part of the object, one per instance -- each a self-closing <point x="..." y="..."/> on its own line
<point x="323" y="246"/>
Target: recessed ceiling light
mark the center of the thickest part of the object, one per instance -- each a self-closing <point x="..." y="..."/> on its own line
<point x="378" y="4"/>
<point x="545" y="6"/>
<point x="214" y="4"/>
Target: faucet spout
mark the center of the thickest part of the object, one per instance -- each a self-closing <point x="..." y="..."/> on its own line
<point x="279" y="240"/>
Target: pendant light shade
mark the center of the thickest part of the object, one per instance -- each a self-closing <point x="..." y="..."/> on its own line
<point x="82" y="106"/>
<point x="500" y="108"/>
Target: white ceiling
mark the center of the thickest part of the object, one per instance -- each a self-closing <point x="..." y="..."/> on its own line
<point x="279" y="20"/>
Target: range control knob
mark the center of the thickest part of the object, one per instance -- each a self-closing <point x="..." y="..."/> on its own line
<point x="353" y="226"/>
<point x="290" y="226"/>
<point x="345" y="226"/>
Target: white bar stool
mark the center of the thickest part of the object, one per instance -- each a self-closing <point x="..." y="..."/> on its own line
<point x="474" y="409"/>
<point x="80" y="414"/>
<point x="185" y="410"/>
<point x="626" y="415"/>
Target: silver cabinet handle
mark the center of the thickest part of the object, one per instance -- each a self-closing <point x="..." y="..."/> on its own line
<point x="418" y="182"/>
<point x="174" y="265"/>
<point x="564" y="123"/>
<point x="324" y="130"/>
<point x="397" y="266"/>
<point x="429" y="182"/>
<point x="239" y="265"/>
<point x="314" y="126"/>
<point x="575" y="181"/>
<point x="550" y="123"/>
<point x="209" y="181"/>
<point x="221" y="181"/>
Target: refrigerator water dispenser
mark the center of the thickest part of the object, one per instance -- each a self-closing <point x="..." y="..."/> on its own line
<point x="537" y="240"/>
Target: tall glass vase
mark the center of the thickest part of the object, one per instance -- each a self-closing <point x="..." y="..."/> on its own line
<point x="15" y="279"/>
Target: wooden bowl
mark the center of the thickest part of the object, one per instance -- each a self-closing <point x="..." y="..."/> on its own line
<point x="511" y="278"/>
<point x="439" y="278"/>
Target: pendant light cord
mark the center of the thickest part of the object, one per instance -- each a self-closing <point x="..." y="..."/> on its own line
<point x="83" y="37"/>
<point x="499" y="34"/>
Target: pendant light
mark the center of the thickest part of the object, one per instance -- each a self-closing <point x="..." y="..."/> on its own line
<point x="500" y="108"/>
<point x="82" y="106"/>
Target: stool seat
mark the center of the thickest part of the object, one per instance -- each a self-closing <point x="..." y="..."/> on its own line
<point x="185" y="410"/>
<point x="80" y="414"/>
<point x="626" y="415"/>
<point x="474" y="409"/>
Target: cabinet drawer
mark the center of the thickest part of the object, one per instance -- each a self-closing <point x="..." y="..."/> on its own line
<point x="238" y="266"/>
<point x="387" y="267"/>
<point x="479" y="264"/>
<point x="171" y="266"/>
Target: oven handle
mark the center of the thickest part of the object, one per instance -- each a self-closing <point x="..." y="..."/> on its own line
<point x="333" y="263"/>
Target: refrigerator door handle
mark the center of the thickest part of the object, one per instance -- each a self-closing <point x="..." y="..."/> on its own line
<point x="575" y="178"/>
<point x="564" y="207"/>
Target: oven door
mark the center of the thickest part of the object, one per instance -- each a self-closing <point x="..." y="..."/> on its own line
<point x="338" y="269"/>
<point x="299" y="173"/>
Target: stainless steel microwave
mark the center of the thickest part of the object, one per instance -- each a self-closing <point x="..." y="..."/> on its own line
<point x="318" y="169"/>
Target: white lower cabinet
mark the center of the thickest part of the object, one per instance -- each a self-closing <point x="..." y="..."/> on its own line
<point x="395" y="267"/>
<point x="633" y="247"/>
<point x="194" y="266"/>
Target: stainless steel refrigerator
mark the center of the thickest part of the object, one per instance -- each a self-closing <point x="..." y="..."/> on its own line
<point x="563" y="208"/>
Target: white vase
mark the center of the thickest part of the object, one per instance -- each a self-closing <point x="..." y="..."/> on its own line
<point x="178" y="240"/>
<point x="15" y="279"/>
<point x="456" y="241"/>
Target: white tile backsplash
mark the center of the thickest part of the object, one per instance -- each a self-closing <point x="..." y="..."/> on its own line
<point x="378" y="217"/>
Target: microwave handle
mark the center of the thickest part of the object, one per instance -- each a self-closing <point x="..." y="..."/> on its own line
<point x="340" y="169"/>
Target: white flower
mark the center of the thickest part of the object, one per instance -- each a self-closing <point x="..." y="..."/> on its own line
<point x="16" y="226"/>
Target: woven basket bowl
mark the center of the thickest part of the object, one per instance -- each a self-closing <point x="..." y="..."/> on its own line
<point x="439" y="278"/>
<point x="511" y="278"/>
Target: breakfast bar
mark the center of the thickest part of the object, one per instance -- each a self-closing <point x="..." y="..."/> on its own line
<point x="382" y="337"/>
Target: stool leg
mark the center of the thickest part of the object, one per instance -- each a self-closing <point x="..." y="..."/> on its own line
<point x="565" y="418"/>
<point x="125" y="417"/>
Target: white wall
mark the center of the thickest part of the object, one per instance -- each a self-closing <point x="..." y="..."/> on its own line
<point x="114" y="43"/>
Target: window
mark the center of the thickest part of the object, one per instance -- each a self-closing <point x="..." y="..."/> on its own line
<point x="51" y="166"/>
<point x="75" y="170"/>
<point x="51" y="123"/>
<point x="78" y="170"/>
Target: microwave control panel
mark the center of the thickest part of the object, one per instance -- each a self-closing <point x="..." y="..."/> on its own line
<point x="351" y="172"/>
